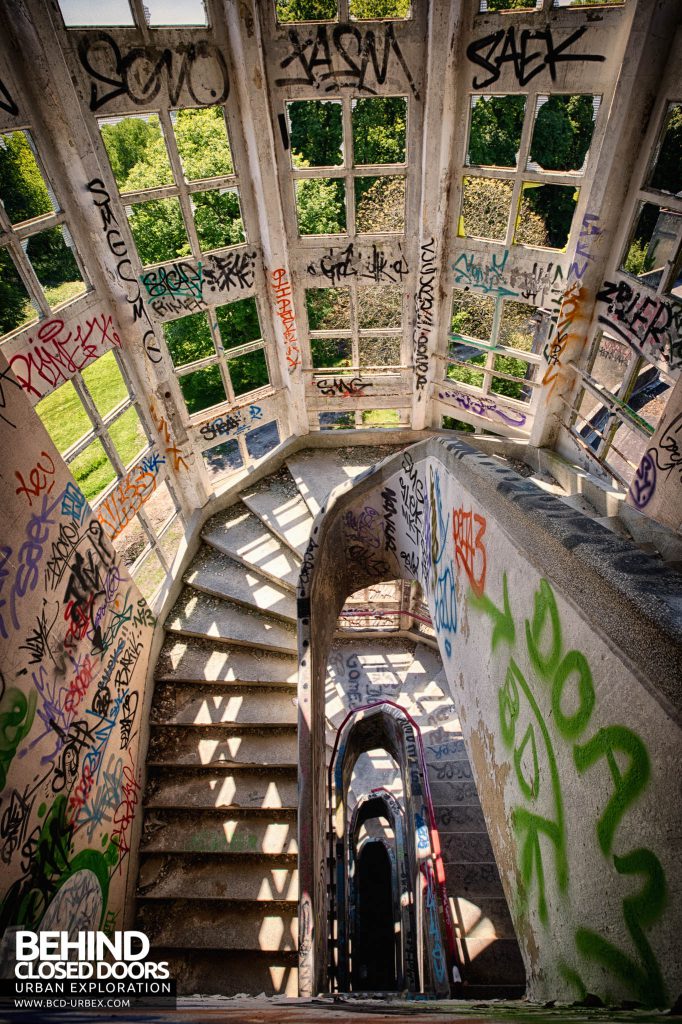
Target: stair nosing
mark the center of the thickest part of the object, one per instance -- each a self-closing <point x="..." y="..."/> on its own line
<point x="246" y="645"/>
<point x="217" y="546"/>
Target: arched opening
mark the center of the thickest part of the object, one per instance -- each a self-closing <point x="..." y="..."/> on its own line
<point x="373" y="948"/>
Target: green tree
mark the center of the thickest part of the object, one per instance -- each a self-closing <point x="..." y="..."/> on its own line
<point x="306" y="10"/>
<point x="496" y="124"/>
<point x="368" y="9"/>
<point x="127" y="142"/>
<point x="316" y="133"/>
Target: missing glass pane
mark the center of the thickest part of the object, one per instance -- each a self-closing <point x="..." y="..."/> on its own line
<point x="218" y="218"/>
<point x="130" y="542"/>
<point x="159" y="508"/>
<point x="486" y="203"/>
<point x="653" y="243"/>
<point x="380" y="204"/>
<point x="320" y="206"/>
<point x="64" y="417"/>
<point x="137" y="151"/>
<point x="514" y="368"/>
<point x="202" y="388"/>
<point x="189" y="338"/>
<point x="92" y="470"/>
<point x="495" y="130"/>
<point x="328" y="308"/>
<point x="667" y="171"/>
<point x="105" y="383"/>
<point x="262" y="440"/>
<point x="306" y="10"/>
<point x="563" y="132"/>
<point x="472" y="315"/>
<point x="509" y="5"/>
<point x="55" y="266"/>
<point x="611" y="360"/>
<point x="519" y="326"/>
<point x="128" y="436"/>
<point x="361" y="10"/>
<point x="171" y="539"/>
<point x="222" y="459"/>
<point x="23" y="190"/>
<point x="450" y="423"/>
<point x="149" y="576"/>
<point x="337" y="420"/>
<point x="315" y="133"/>
<point x="331" y="352"/>
<point x="380" y="418"/>
<point x="380" y="306"/>
<point x="545" y="215"/>
<point x="238" y="323"/>
<point x="380" y="130"/>
<point x="464" y="375"/>
<point x="379" y="351"/>
<point x="203" y="144"/>
<point x="16" y="308"/>
<point x="175" y="12"/>
<point x="85" y="14"/>
<point x="248" y="372"/>
<point x="159" y="230"/>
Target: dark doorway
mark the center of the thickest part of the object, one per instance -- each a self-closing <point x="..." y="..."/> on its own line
<point x="374" y="948"/>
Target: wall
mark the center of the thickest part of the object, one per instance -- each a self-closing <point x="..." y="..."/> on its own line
<point x="561" y="647"/>
<point x="75" y="635"/>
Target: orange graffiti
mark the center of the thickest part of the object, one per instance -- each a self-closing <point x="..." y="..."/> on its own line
<point x="470" y="551"/>
<point x="161" y="424"/>
<point x="285" y="312"/>
<point x="571" y="307"/>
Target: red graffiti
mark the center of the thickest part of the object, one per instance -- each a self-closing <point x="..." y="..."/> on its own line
<point x="79" y="685"/>
<point x="285" y="312"/>
<point x="171" y="448"/>
<point x="37" y="479"/>
<point x="470" y="553"/>
<point x="81" y="793"/>
<point x="54" y="354"/>
<point x="125" y="812"/>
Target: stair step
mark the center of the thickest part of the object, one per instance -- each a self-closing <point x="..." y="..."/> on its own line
<point x="241" y="535"/>
<point x="278" y="504"/>
<point x="318" y="471"/>
<point x="205" y="704"/>
<point x="197" y="923"/>
<point x="222" y="786"/>
<point x="230" y="973"/>
<point x="172" y="877"/>
<point x="254" y="832"/>
<point x="210" y="744"/>
<point x="197" y="614"/>
<point x="188" y="660"/>
<point x="215" y="573"/>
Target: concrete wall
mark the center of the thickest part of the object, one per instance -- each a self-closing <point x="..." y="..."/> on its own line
<point x="561" y="647"/>
<point x="75" y="635"/>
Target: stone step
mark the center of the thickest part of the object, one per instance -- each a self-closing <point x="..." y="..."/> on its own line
<point x="215" y="573"/>
<point x="196" y="614"/>
<point x="208" y="745"/>
<point x="262" y="832"/>
<point x="230" y="973"/>
<point x="317" y="471"/>
<point x="189" y="660"/>
<point x="241" y="535"/>
<point x="278" y="504"/>
<point x="164" y="876"/>
<point x="221" y="786"/>
<point x="206" y="704"/>
<point x="499" y="959"/>
<point x="196" y="924"/>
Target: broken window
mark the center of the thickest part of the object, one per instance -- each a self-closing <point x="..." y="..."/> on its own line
<point x="380" y="306"/>
<point x="85" y="14"/>
<point x="128" y="436"/>
<point x="149" y="576"/>
<point x="336" y="420"/>
<point x="189" y="338"/>
<point x="105" y="383"/>
<point x="666" y="173"/>
<point x="486" y="204"/>
<point x="262" y="440"/>
<point x="202" y="388"/>
<point x="306" y="10"/>
<point x="315" y="133"/>
<point x="64" y="417"/>
<point x="16" y="307"/>
<point x="517" y="368"/>
<point x="92" y="470"/>
<point x="370" y="9"/>
<point x="545" y="214"/>
<point x="587" y="3"/>
<point x="464" y="374"/>
<point x="238" y="323"/>
<point x="379" y="130"/>
<point x="137" y="151"/>
<point x="320" y="206"/>
<point x="55" y="265"/>
<point x="380" y="418"/>
<point x="331" y="352"/>
<point x="611" y="360"/>
<point x="328" y="308"/>
<point x="450" y="423"/>
<point x="218" y="218"/>
<point x="248" y="372"/>
<point x="175" y="12"/>
<point x="379" y="204"/>
<point x="379" y="351"/>
<point x="472" y="315"/>
<point x="653" y="244"/>
<point x="508" y="5"/>
<point x="23" y="189"/>
<point x="563" y="132"/>
<point x="495" y="130"/>
<point x="159" y="230"/>
<point x="519" y="326"/>
<point x="203" y="143"/>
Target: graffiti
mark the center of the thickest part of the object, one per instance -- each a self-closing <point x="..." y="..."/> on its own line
<point x="179" y="280"/>
<point x="308" y="563"/>
<point x="16" y="719"/>
<point x="410" y="561"/>
<point x="668" y="453"/>
<point x="486" y="407"/>
<point x="6" y="101"/>
<point x="37" y="479"/>
<point x="130" y="494"/>
<point x="423" y="304"/>
<point x="554" y="350"/>
<point x="30" y="554"/>
<point x="663" y="458"/>
<point x="470" y="552"/>
<point x="74" y="504"/>
<point x="375" y="265"/>
<point x="588" y="229"/>
<point x="484" y="276"/>
<point x="541" y="284"/>
<point x="526" y="57"/>
<point x="444" y="595"/>
<point x="140" y="73"/>
<point x="365" y="536"/>
<point x="390" y="508"/>
<point x="171" y="449"/>
<point x="285" y="311"/>
<point x="644" y="481"/>
<point x="235" y="271"/>
<point x="356" y="52"/>
<point x="412" y="498"/>
<point x="118" y="248"/>
<point x="55" y="353"/>
<point x="650" y="324"/>
<point x="231" y="424"/>
<point x="346" y="387"/>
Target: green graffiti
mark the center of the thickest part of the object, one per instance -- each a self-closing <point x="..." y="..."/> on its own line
<point x="16" y="719"/>
<point x="628" y="785"/>
<point x="544" y="605"/>
<point x="573" y="978"/>
<point x="503" y="628"/>
<point x="529" y="789"/>
<point x="640" y="911"/>
<point x="508" y="698"/>
<point x="570" y="726"/>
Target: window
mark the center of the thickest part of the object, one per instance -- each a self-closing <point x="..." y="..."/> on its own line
<point x="358" y="326"/>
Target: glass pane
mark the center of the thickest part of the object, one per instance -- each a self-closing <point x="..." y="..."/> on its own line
<point x="519" y="326"/>
<point x="379" y="351"/>
<point x="175" y="12"/>
<point x="320" y="206"/>
<point x="137" y="152"/>
<point x="149" y="575"/>
<point x="160" y="507"/>
<point x="611" y="362"/>
<point x="128" y="435"/>
<point x="331" y="352"/>
<point x="486" y="203"/>
<point x="653" y="243"/>
<point x="379" y="130"/>
<point x="315" y="133"/>
<point x="158" y="230"/>
<point x="105" y="383"/>
<point x="92" y="470"/>
<point x="202" y="141"/>
<point x="379" y="204"/>
<point x="306" y="10"/>
<point x="171" y="539"/>
<point x="495" y="133"/>
<point x="380" y="307"/>
<point x="23" y="191"/>
<point x="337" y="420"/>
<point x="667" y="172"/>
<point x="248" y="372"/>
<point x="55" y="266"/>
<point x="262" y="440"/>
<point x="222" y="459"/>
<point x="545" y="214"/>
<point x="130" y="542"/>
<point x="218" y="218"/>
<point x="238" y="323"/>
<point x="328" y="308"/>
<point x="563" y="132"/>
<point x="472" y="315"/>
<point x="466" y="376"/>
<point x="16" y="308"/>
<point x="63" y="416"/>
<point x="85" y="14"/>
<point x="202" y="388"/>
<point x="189" y="338"/>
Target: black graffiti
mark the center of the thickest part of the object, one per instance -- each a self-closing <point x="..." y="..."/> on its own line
<point x="410" y="561"/>
<point x="335" y="266"/>
<point x="6" y="101"/>
<point x="643" y="320"/>
<point x="390" y="502"/>
<point x="412" y="494"/>
<point x="527" y="62"/>
<point x="346" y="387"/>
<point x="140" y="73"/>
<point x="14" y="822"/>
<point x="237" y="270"/>
<point x="374" y="265"/>
<point x="314" y="56"/>
<point x="423" y="302"/>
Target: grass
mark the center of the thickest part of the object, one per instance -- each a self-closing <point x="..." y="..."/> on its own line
<point x="381" y="417"/>
<point x="63" y="292"/>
